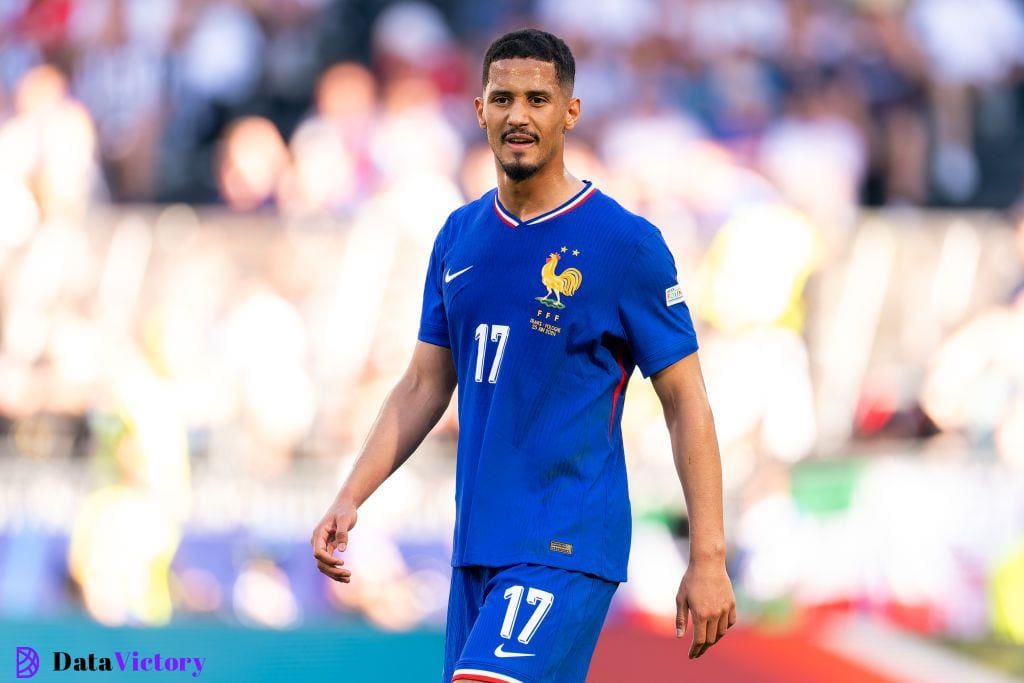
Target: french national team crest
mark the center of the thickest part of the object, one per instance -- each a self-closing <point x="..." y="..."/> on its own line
<point x="558" y="284"/>
<point x="566" y="282"/>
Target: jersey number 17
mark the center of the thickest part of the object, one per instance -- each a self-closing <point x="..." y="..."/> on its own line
<point x="498" y="333"/>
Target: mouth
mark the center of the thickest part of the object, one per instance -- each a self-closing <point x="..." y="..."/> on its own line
<point x="519" y="141"/>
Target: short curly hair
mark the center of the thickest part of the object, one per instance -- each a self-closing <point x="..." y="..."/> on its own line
<point x="533" y="43"/>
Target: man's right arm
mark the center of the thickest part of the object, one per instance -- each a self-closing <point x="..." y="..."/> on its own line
<point x="410" y="411"/>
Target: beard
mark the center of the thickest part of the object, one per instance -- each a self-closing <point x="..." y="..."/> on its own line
<point x="518" y="171"/>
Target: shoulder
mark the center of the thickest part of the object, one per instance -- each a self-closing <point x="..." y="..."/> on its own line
<point x="472" y="209"/>
<point x="640" y="243"/>
<point x="467" y="214"/>
<point x="625" y="229"/>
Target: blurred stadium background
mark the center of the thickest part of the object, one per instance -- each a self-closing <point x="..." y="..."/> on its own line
<point x="216" y="218"/>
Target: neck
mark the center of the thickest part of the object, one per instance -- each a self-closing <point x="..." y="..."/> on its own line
<point x="547" y="189"/>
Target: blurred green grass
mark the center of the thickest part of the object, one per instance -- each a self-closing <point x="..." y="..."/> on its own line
<point x="1000" y="655"/>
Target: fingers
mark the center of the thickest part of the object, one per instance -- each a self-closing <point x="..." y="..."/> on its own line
<point x="326" y="540"/>
<point x="704" y="636"/>
<point x="325" y="553"/>
<point x="335" y="572"/>
<point x="714" y="630"/>
<point x="331" y="535"/>
<point x="700" y="635"/>
<point x="712" y="635"/>
<point x="681" y="614"/>
<point x="341" y="540"/>
<point x="322" y="534"/>
<point x="723" y="625"/>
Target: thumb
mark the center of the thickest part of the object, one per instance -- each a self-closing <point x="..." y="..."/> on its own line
<point x="344" y="525"/>
<point x="682" y="611"/>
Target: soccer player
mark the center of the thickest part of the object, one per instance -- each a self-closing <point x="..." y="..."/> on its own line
<point x="541" y="297"/>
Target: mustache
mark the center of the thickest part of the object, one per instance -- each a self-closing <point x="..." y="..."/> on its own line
<point x="533" y="136"/>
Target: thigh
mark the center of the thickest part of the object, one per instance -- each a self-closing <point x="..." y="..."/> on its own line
<point x="465" y="597"/>
<point x="536" y="624"/>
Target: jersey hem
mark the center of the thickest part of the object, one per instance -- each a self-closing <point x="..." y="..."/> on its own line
<point x="610" y="577"/>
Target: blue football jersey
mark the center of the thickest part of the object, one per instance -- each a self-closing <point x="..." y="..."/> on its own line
<point x="546" y="319"/>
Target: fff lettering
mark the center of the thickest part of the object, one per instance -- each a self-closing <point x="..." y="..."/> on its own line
<point x="128" y="661"/>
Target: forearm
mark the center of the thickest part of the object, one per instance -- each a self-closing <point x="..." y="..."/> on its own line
<point x="409" y="412"/>
<point x="705" y="589"/>
<point x="695" y="451"/>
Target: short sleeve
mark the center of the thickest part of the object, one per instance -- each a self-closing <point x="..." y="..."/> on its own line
<point x="434" y="319"/>
<point x="653" y="310"/>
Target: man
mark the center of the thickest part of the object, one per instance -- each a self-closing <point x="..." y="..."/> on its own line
<point x="540" y="298"/>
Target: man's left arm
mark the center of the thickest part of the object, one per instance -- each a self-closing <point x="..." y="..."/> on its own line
<point x="705" y="588"/>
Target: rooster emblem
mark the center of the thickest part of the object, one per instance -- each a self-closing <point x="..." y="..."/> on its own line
<point x="566" y="282"/>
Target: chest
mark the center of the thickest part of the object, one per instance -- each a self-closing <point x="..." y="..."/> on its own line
<point x="543" y="282"/>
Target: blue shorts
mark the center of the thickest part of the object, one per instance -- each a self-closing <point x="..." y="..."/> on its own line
<point x="523" y="624"/>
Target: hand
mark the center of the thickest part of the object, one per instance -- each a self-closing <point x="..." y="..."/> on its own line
<point x="707" y="592"/>
<point x="332" y="534"/>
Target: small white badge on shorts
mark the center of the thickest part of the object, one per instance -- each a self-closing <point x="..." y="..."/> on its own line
<point x="673" y="295"/>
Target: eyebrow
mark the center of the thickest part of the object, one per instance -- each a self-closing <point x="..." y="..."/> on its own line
<point x="529" y="93"/>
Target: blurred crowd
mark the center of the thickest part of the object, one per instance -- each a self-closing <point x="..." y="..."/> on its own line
<point x="217" y="219"/>
<point x="310" y="105"/>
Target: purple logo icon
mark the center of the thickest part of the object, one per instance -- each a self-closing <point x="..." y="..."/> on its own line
<point x="28" y="662"/>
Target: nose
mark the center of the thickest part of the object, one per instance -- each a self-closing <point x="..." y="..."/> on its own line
<point x="517" y="113"/>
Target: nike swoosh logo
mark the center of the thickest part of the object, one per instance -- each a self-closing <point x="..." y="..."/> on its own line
<point x="498" y="652"/>
<point x="449" y="276"/>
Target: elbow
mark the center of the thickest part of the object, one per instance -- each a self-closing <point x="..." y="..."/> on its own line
<point x="426" y="389"/>
<point x="689" y="416"/>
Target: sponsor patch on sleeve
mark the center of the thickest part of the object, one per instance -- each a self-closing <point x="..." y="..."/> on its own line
<point x="673" y="295"/>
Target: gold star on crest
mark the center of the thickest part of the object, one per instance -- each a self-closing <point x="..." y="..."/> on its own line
<point x="575" y="252"/>
<point x="564" y="250"/>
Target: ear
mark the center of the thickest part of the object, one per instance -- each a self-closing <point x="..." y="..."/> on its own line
<point x="478" y="103"/>
<point x="572" y="114"/>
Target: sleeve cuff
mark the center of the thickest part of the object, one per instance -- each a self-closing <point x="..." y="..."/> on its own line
<point x="434" y="335"/>
<point x="657" y="362"/>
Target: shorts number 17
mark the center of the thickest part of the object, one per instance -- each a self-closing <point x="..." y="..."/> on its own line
<point x="535" y="596"/>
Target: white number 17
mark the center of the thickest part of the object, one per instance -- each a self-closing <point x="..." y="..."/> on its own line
<point x="534" y="596"/>
<point x="499" y="333"/>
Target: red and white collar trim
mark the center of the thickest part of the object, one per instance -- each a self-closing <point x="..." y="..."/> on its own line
<point x="577" y="199"/>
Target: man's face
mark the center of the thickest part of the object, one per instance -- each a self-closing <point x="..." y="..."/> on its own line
<point x="525" y="113"/>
